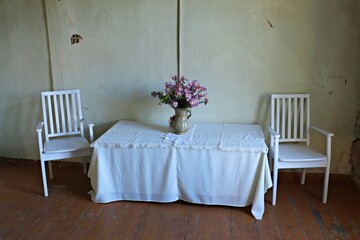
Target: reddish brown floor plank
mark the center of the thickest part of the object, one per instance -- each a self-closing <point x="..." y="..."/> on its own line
<point x="286" y="216"/>
<point x="267" y="228"/>
<point x="69" y="213"/>
<point x="48" y="226"/>
<point x="65" y="208"/>
<point x="163" y="221"/>
<point x="29" y="207"/>
<point x="86" y="221"/>
<point x="308" y="221"/>
<point x="347" y="196"/>
<point x="128" y="224"/>
<point x="105" y="224"/>
<point x="324" y="213"/>
<point x="206" y="224"/>
<point x="26" y="215"/>
<point x="243" y="224"/>
<point x="301" y="203"/>
<point x="175" y="220"/>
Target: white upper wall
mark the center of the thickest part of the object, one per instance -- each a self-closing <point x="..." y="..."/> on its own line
<point x="241" y="50"/>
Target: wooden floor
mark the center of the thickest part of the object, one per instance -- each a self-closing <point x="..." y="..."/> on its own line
<point x="69" y="213"/>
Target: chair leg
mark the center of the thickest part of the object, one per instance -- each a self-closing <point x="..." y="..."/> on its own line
<point x="84" y="165"/>
<point x="43" y="173"/>
<point x="275" y="180"/>
<point x="326" y="184"/>
<point x="50" y="170"/>
<point x="303" y="175"/>
<point x="271" y="162"/>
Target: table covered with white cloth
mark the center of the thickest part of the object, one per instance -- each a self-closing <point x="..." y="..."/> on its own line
<point x="215" y="164"/>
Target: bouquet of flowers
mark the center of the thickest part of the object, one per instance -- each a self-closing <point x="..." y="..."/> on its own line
<point x="182" y="93"/>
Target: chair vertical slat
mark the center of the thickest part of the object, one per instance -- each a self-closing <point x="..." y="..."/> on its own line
<point x="50" y="115"/>
<point x="272" y="123"/>
<point x="277" y="115"/>
<point x="301" y="117"/>
<point x="62" y="112"/>
<point x="56" y="110"/>
<point x="308" y="120"/>
<point x="283" y="112"/>
<point x="289" y="118"/>
<point x="80" y="113"/>
<point x="43" y="102"/>
<point x="74" y="112"/>
<point x="68" y="113"/>
<point x="295" y="118"/>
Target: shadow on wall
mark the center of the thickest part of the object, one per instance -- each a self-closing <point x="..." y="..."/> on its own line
<point x="263" y="113"/>
<point x="20" y="112"/>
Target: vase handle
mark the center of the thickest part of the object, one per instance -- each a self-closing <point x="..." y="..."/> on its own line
<point x="189" y="112"/>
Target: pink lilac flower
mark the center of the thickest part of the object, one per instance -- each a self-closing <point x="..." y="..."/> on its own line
<point x="194" y="102"/>
<point x="175" y="104"/>
<point x="182" y="93"/>
<point x="188" y="96"/>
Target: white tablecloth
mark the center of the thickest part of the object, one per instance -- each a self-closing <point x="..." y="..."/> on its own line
<point x="220" y="164"/>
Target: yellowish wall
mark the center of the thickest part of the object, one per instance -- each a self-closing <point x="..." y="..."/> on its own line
<point x="241" y="50"/>
<point x="24" y="72"/>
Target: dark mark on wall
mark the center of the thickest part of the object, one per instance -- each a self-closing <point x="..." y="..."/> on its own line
<point x="270" y="24"/>
<point x="331" y="92"/>
<point x="75" y="38"/>
<point x="330" y="77"/>
<point x="318" y="85"/>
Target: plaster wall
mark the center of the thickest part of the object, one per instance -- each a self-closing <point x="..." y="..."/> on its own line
<point x="241" y="50"/>
<point x="24" y="72"/>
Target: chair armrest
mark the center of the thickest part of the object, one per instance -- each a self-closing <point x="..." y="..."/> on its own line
<point x="39" y="126"/>
<point x="91" y="131"/>
<point x="274" y="145"/>
<point x="89" y="122"/>
<point x="328" y="139"/>
<point x="273" y="133"/>
<point x="325" y="132"/>
<point x="39" y="133"/>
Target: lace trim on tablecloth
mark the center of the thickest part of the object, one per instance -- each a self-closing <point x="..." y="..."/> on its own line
<point x="177" y="139"/>
<point x="224" y="137"/>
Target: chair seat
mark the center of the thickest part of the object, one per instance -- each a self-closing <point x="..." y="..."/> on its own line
<point x="298" y="152"/>
<point x="66" y="144"/>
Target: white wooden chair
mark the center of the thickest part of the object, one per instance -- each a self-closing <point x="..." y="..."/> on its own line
<point x="290" y="139"/>
<point x="64" y="130"/>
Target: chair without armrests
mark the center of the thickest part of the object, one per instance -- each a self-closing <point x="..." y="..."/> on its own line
<point x="63" y="126"/>
<point x="290" y="139"/>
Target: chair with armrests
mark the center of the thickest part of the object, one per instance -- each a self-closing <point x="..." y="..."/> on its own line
<point x="290" y="139"/>
<point x="63" y="126"/>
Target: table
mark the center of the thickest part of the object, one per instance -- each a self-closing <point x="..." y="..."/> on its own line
<point x="219" y="164"/>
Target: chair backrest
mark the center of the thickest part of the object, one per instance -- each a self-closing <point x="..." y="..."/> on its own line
<point x="62" y="113"/>
<point x="290" y="117"/>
